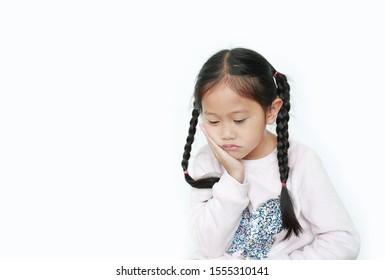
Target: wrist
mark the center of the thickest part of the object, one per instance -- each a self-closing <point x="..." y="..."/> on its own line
<point x="238" y="175"/>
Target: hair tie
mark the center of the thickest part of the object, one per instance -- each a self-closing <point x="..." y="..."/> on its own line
<point x="283" y="185"/>
<point x="185" y="172"/>
<point x="275" y="74"/>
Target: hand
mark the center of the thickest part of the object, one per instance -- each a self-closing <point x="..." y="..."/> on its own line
<point x="232" y="165"/>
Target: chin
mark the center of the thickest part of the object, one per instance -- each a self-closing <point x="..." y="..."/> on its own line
<point x="237" y="155"/>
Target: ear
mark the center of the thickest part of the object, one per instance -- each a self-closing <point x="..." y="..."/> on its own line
<point x="273" y="110"/>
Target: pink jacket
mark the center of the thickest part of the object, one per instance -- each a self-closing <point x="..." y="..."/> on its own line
<point x="217" y="213"/>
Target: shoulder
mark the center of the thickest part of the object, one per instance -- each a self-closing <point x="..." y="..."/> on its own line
<point x="301" y="155"/>
<point x="306" y="168"/>
<point x="205" y="162"/>
<point x="204" y="155"/>
<point x="204" y="151"/>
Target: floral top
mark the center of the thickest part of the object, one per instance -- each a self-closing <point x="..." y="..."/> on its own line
<point x="255" y="234"/>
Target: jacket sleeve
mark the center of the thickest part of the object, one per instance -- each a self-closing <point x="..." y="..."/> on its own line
<point x="335" y="236"/>
<point x="216" y="212"/>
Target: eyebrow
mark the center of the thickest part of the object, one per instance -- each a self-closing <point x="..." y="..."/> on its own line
<point x="231" y="113"/>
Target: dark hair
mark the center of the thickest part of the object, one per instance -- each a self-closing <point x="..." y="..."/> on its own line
<point x="252" y="76"/>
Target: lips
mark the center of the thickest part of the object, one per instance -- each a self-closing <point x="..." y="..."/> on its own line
<point x="230" y="147"/>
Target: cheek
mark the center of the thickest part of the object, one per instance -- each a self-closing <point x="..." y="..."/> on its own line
<point x="211" y="131"/>
<point x="255" y="132"/>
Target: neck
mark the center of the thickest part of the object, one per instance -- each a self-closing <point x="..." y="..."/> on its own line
<point x="264" y="148"/>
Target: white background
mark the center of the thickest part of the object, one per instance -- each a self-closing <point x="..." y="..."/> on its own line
<point x="95" y="100"/>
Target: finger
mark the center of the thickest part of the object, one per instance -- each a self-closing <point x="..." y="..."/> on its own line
<point x="218" y="151"/>
<point x="210" y="140"/>
<point x="231" y="164"/>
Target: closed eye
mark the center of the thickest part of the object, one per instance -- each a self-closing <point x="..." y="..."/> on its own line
<point x="213" y="122"/>
<point x="239" y="121"/>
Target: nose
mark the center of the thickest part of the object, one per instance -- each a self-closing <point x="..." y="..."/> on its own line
<point x="227" y="132"/>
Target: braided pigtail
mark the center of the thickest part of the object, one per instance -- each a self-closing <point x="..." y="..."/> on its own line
<point x="204" y="182"/>
<point x="289" y="220"/>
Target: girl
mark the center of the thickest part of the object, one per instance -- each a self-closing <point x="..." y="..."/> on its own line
<point x="257" y="195"/>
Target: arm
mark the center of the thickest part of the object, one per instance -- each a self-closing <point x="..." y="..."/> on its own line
<point x="335" y="235"/>
<point x="216" y="212"/>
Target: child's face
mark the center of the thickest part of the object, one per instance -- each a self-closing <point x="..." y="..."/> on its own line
<point x="236" y="123"/>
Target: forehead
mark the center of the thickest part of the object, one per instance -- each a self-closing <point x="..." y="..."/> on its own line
<point x="222" y="99"/>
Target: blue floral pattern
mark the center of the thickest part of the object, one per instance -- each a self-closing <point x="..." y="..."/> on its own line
<point x="255" y="234"/>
